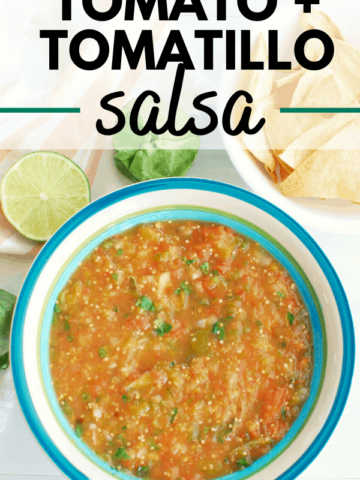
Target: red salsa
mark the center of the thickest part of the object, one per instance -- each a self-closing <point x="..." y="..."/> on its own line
<point x="181" y="350"/>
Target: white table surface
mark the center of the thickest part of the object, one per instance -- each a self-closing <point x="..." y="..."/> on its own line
<point x="21" y="458"/>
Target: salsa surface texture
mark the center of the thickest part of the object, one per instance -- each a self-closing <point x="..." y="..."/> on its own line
<point x="181" y="350"/>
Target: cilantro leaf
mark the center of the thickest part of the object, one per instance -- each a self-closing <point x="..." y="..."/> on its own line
<point x="205" y="268"/>
<point x="143" y="471"/>
<point x="242" y="462"/>
<point x="186" y="288"/>
<point x="125" y="398"/>
<point x="280" y="294"/>
<point x="178" y="291"/>
<point x="162" y="327"/>
<point x="79" y="430"/>
<point x="145" y="303"/>
<point x="173" y="415"/>
<point x="67" y="326"/>
<point x="283" y="413"/>
<point x="57" y="309"/>
<point x="115" y="276"/>
<point x="290" y="317"/>
<point x="102" y="352"/>
<point x="119" y="252"/>
<point x="219" y="331"/>
<point x="121" y="453"/>
<point x="189" y="262"/>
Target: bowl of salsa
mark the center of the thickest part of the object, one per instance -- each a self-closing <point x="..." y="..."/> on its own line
<point x="182" y="329"/>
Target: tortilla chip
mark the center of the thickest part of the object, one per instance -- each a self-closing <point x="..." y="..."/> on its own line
<point x="271" y="173"/>
<point x="283" y="128"/>
<point x="258" y="144"/>
<point x="346" y="67"/>
<point x="285" y="88"/>
<point x="320" y="21"/>
<point x="314" y="49"/>
<point x="328" y="93"/>
<point x="306" y="83"/>
<point x="283" y="172"/>
<point x="293" y="76"/>
<point x="259" y="83"/>
<point x="332" y="172"/>
<point x="315" y="138"/>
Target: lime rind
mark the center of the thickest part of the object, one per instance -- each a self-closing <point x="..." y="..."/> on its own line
<point x="41" y="191"/>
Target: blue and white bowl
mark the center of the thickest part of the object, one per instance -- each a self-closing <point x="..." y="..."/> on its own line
<point x="204" y="200"/>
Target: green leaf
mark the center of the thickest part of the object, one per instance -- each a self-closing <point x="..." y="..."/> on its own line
<point x="121" y="453"/>
<point x="7" y="304"/>
<point x="125" y="398"/>
<point x="172" y="364"/>
<point x="67" y="326"/>
<point x="186" y="288"/>
<point x="4" y="361"/>
<point x="218" y="328"/>
<point x="70" y="338"/>
<point x="258" y="323"/>
<point x="242" y="462"/>
<point x="154" y="156"/>
<point x="205" y="268"/>
<point x="102" y="352"/>
<point x="79" y="430"/>
<point x="57" y="309"/>
<point x="145" y="303"/>
<point x="280" y="294"/>
<point x="143" y="471"/>
<point x="115" y="276"/>
<point x="173" y="415"/>
<point x="189" y="262"/>
<point x="178" y="291"/>
<point x="283" y="413"/>
<point x="206" y="429"/>
<point x="162" y="327"/>
<point x="215" y="272"/>
<point x="124" y="427"/>
<point x="119" y="252"/>
<point x="86" y="397"/>
<point x="290" y="318"/>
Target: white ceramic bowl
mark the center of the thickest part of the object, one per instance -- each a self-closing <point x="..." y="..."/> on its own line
<point x="335" y="216"/>
<point x="207" y="201"/>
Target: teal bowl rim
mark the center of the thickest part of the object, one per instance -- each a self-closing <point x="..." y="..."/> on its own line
<point x="198" y="184"/>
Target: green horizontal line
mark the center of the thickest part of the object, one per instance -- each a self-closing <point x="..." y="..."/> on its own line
<point x="39" y="110"/>
<point x="319" y="110"/>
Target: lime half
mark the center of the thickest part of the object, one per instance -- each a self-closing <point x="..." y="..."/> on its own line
<point x="41" y="191"/>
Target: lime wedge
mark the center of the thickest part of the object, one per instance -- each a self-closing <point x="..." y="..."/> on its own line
<point x="41" y="191"/>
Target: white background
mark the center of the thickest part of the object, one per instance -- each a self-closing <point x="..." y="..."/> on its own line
<point x="21" y="458"/>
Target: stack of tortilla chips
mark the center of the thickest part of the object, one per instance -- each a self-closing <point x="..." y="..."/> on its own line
<point x="312" y="154"/>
